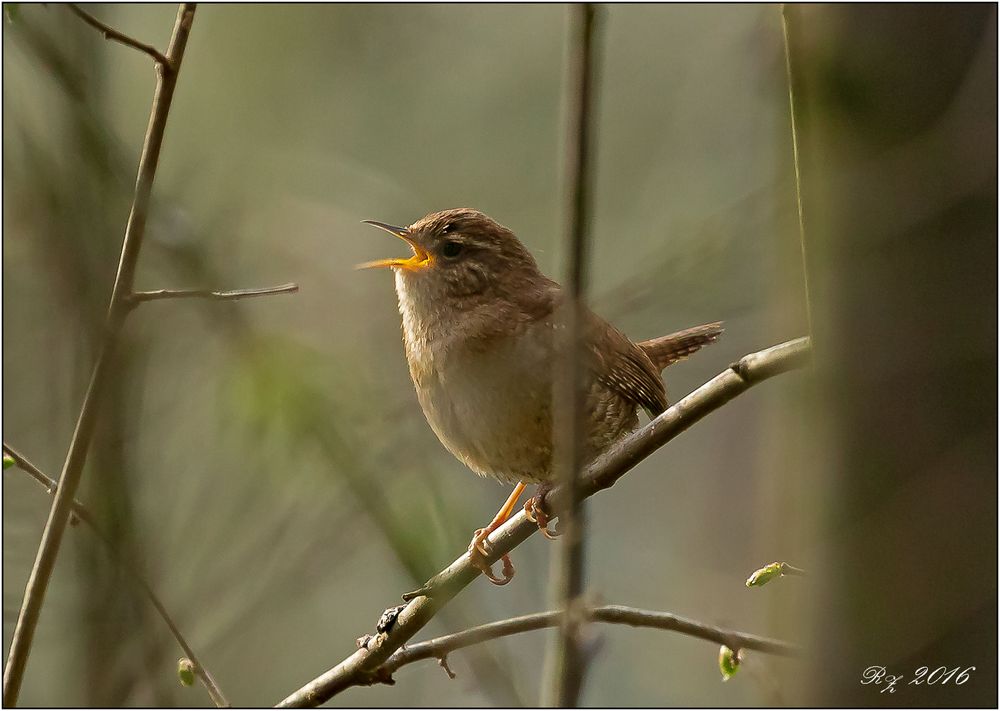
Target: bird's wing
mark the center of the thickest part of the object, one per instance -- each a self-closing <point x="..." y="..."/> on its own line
<point x="617" y="363"/>
<point x="624" y="367"/>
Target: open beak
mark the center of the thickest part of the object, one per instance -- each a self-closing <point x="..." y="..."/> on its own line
<point x="420" y="256"/>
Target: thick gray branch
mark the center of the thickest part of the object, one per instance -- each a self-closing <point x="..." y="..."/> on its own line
<point x="361" y="666"/>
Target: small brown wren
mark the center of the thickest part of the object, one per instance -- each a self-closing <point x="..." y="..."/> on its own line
<point x="478" y="326"/>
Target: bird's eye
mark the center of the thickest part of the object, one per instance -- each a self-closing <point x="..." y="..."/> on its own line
<point x="451" y="249"/>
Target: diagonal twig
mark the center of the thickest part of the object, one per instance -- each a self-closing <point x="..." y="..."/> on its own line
<point x="110" y="33"/>
<point x="440" y="647"/>
<point x="104" y="370"/>
<point x="81" y="512"/>
<point x="233" y="295"/>
<point x="602" y="473"/>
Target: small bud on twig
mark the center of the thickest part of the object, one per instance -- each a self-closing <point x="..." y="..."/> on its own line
<point x="729" y="662"/>
<point x="185" y="671"/>
<point x="768" y="573"/>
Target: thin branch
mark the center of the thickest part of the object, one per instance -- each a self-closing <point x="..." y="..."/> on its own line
<point x="234" y="295"/>
<point x="110" y="33"/>
<point x="35" y="473"/>
<point x="795" y="161"/>
<point x="55" y="525"/>
<point x="358" y="669"/>
<point x="566" y="663"/>
<point x="82" y="513"/>
<point x="441" y="647"/>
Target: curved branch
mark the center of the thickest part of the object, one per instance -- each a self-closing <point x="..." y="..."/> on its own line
<point x="110" y="33"/>
<point x="82" y="513"/>
<point x="440" y="647"/>
<point x="360" y="668"/>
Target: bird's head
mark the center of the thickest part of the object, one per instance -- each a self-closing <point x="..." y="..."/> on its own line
<point x="459" y="255"/>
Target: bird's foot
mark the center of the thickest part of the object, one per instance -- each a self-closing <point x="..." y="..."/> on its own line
<point x="535" y="510"/>
<point x="479" y="553"/>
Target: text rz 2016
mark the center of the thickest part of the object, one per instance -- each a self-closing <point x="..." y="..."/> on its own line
<point x="878" y="676"/>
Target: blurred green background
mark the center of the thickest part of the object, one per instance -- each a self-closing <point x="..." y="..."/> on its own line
<point x="266" y="461"/>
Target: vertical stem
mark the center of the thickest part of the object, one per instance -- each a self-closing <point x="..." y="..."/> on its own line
<point x="567" y="663"/>
<point x="55" y="526"/>
<point x="795" y="161"/>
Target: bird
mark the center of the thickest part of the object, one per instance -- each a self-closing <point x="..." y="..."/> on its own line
<point x="479" y="323"/>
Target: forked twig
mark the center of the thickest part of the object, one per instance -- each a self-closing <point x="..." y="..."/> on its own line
<point x="82" y="513"/>
<point x="104" y="370"/>
<point x="110" y="33"/>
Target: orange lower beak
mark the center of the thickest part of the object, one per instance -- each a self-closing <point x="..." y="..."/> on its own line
<point x="419" y="260"/>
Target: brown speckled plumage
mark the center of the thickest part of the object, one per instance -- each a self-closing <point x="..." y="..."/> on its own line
<point x="478" y="327"/>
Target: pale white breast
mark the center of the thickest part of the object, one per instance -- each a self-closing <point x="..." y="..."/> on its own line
<point x="489" y="404"/>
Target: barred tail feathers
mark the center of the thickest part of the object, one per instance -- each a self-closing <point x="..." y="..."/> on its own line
<point x="666" y="350"/>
